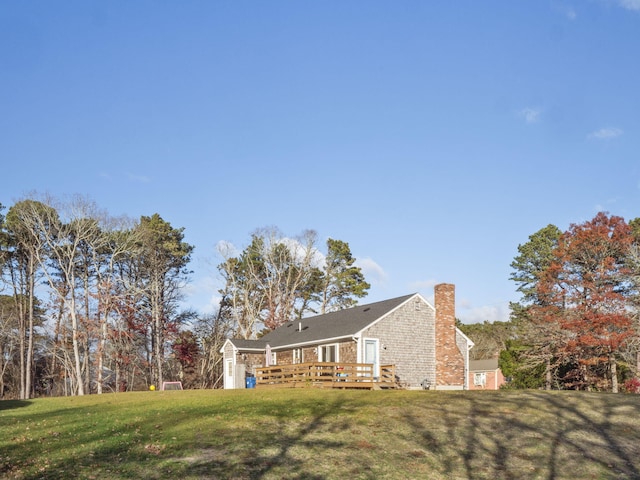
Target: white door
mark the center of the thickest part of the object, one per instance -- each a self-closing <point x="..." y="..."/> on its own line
<point x="228" y="374"/>
<point x="371" y="355"/>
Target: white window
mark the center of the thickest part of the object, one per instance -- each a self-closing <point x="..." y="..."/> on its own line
<point x="480" y="379"/>
<point x="328" y="353"/>
<point x="297" y="355"/>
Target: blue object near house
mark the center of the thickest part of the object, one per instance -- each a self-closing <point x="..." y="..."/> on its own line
<point x="250" y="382"/>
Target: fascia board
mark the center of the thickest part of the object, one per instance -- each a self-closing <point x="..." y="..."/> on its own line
<point x="225" y="344"/>
<point x="310" y="342"/>
<point x="470" y="343"/>
<point x="239" y="349"/>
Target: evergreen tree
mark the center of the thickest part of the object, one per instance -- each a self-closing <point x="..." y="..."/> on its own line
<point x="537" y="340"/>
<point x="342" y="281"/>
<point x="162" y="265"/>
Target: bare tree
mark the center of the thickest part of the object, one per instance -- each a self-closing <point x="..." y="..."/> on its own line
<point x="212" y="331"/>
<point x="60" y="231"/>
<point x="26" y="251"/>
<point x="119" y="240"/>
<point x="289" y="265"/>
<point x="8" y="341"/>
<point x="263" y="284"/>
<point x="243" y="299"/>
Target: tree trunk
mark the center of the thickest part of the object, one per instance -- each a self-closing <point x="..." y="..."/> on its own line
<point x="76" y="347"/>
<point x="614" y="373"/>
<point x="87" y="340"/>
<point x="18" y="289"/>
<point x="23" y="350"/>
<point x="29" y="359"/>
<point x="100" y="354"/>
<point x="158" y="350"/>
<point x="2" y="370"/>
<point x="547" y="384"/>
<point x="57" y="346"/>
<point x="158" y="333"/>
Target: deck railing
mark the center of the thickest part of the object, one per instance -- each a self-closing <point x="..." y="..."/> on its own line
<point x="326" y="375"/>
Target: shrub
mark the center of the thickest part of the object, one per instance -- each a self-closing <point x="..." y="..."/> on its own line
<point x="632" y="385"/>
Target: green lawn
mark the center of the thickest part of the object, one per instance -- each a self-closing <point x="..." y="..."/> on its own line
<point x="315" y="434"/>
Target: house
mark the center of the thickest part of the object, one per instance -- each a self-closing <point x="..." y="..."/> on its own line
<point x="485" y="375"/>
<point x="421" y="341"/>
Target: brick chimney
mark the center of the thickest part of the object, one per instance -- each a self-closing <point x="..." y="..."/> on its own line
<point x="449" y="359"/>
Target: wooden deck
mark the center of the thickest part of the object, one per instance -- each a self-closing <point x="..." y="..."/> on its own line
<point x="326" y="375"/>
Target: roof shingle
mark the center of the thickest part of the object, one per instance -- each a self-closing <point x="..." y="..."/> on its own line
<point x="334" y="325"/>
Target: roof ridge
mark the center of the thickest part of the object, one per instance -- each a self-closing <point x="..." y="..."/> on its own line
<point x="355" y="307"/>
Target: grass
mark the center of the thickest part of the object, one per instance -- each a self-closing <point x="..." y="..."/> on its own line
<point x="315" y="434"/>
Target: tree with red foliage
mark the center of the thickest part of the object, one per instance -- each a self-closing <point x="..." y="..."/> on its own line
<point x="187" y="351"/>
<point x="585" y="293"/>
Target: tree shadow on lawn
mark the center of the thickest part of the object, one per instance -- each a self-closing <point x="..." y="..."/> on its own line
<point x="87" y="441"/>
<point x="271" y="454"/>
<point x="36" y="442"/>
<point x="80" y="444"/>
<point x="556" y="435"/>
<point x="472" y="435"/>
<point x="11" y="404"/>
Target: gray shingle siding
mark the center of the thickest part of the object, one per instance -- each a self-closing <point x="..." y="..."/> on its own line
<point x="407" y="340"/>
<point x="228" y="350"/>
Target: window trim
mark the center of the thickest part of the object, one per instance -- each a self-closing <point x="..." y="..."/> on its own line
<point x="321" y="352"/>
<point x="297" y="355"/>
<point x="480" y="378"/>
<point x="376" y="346"/>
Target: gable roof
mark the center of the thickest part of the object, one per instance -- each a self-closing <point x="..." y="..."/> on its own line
<point x="483" y="365"/>
<point x="243" y="344"/>
<point x="331" y="326"/>
<point x="246" y="346"/>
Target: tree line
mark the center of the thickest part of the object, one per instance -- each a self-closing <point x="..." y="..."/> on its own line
<point x="576" y="325"/>
<point x="92" y="303"/>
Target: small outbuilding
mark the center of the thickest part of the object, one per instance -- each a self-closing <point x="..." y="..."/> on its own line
<point x="485" y="375"/>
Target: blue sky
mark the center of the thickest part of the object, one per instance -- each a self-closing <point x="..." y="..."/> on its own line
<point x="434" y="137"/>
